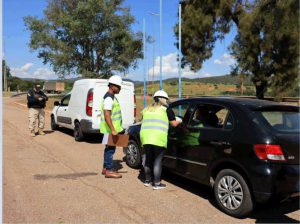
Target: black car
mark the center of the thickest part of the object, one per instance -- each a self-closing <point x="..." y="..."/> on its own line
<point x="246" y="149"/>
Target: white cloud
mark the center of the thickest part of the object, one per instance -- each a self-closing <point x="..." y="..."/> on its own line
<point x="26" y="67"/>
<point x="207" y="75"/>
<point x="217" y="61"/>
<point x="44" y="73"/>
<point x="225" y="60"/>
<point x="40" y="73"/>
<point x="21" y="72"/>
<point x="170" y="68"/>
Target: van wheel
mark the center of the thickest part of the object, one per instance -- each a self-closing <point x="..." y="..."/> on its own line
<point x="78" y="135"/>
<point x="232" y="193"/>
<point x="54" y="126"/>
<point x="133" y="155"/>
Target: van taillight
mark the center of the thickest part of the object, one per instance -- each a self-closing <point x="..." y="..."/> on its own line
<point x="89" y="103"/>
<point x="134" y="112"/>
<point x="269" y="152"/>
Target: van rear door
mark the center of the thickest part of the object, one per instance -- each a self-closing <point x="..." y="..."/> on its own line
<point x="125" y="98"/>
<point x="99" y="90"/>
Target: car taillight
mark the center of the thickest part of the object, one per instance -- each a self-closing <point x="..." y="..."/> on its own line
<point x="89" y="103"/>
<point x="269" y="152"/>
<point x="134" y="112"/>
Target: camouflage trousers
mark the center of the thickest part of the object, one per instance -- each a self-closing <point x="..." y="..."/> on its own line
<point x="36" y="118"/>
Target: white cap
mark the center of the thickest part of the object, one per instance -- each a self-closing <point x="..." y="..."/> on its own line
<point x="161" y="93"/>
<point x="115" y="80"/>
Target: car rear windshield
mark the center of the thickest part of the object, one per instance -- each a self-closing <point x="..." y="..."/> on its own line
<point x="282" y="119"/>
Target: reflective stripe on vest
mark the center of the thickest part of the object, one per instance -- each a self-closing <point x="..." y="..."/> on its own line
<point x="116" y="118"/>
<point x="155" y="126"/>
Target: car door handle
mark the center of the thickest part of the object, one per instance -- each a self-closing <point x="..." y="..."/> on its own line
<point x="220" y="143"/>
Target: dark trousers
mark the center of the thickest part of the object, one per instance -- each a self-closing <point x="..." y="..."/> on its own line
<point x="153" y="163"/>
<point x="109" y="152"/>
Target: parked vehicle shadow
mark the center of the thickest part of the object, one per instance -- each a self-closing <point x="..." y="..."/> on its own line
<point x="275" y="212"/>
<point x="92" y="138"/>
<point x="48" y="132"/>
<point x="272" y="212"/>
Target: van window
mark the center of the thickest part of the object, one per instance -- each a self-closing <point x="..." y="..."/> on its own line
<point x="65" y="101"/>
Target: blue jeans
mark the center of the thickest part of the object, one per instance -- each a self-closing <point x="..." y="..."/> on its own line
<point x="109" y="152"/>
<point x="153" y="163"/>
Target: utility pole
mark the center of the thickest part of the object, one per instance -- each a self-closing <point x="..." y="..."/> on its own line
<point x="160" y="44"/>
<point x="180" y="57"/>
<point x="154" y="36"/>
<point x="144" y="49"/>
<point x="4" y="72"/>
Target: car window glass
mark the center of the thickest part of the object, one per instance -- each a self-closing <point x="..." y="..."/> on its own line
<point x="180" y="110"/>
<point x="65" y="101"/>
<point x="209" y="116"/>
<point x="282" y="120"/>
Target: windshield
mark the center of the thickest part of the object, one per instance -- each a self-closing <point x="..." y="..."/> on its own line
<point x="283" y="121"/>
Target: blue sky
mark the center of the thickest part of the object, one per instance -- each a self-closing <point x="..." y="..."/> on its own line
<point x="24" y="63"/>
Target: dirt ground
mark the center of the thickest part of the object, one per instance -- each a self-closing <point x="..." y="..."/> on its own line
<point x="53" y="179"/>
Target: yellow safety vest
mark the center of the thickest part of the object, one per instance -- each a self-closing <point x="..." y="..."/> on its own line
<point x="155" y="126"/>
<point x="116" y="118"/>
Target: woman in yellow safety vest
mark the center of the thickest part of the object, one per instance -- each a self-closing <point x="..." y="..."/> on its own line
<point x="154" y="136"/>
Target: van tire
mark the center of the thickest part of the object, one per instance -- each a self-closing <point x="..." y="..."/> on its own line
<point x="54" y="126"/>
<point x="133" y="155"/>
<point x="232" y="178"/>
<point x="78" y="134"/>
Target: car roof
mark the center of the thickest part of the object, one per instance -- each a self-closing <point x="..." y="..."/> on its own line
<point x="250" y="103"/>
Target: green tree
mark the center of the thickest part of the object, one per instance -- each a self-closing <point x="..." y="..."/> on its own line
<point x="266" y="46"/>
<point x="88" y="37"/>
<point x="5" y="73"/>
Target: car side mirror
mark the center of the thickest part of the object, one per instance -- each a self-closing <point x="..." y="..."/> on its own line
<point x="56" y="103"/>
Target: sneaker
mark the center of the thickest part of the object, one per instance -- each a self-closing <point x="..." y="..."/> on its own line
<point x="32" y="134"/>
<point x="147" y="183"/>
<point x="41" y="132"/>
<point x="159" y="186"/>
<point x="103" y="171"/>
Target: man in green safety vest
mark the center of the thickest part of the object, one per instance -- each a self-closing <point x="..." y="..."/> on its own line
<point x="154" y="136"/>
<point x="111" y="122"/>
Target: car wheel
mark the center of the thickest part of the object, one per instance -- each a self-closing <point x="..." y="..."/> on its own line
<point x="133" y="155"/>
<point x="78" y="135"/>
<point x="232" y="193"/>
<point x="54" y="126"/>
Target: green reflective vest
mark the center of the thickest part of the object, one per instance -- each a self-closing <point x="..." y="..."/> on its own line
<point x="116" y="118"/>
<point x="155" y="126"/>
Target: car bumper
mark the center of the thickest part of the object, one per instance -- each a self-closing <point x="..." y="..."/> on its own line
<point x="86" y="127"/>
<point x="282" y="180"/>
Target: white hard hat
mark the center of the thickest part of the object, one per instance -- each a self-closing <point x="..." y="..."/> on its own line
<point x="116" y="80"/>
<point x="161" y="93"/>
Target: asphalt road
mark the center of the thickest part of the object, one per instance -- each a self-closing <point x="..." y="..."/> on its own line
<point x="53" y="179"/>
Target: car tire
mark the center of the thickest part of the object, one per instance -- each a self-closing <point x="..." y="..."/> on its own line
<point x="133" y="155"/>
<point x="232" y="193"/>
<point x="78" y="134"/>
<point x="54" y="126"/>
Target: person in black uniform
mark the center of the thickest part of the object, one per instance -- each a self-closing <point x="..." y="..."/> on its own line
<point x="36" y="102"/>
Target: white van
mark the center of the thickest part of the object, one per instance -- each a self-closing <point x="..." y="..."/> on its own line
<point x="80" y="109"/>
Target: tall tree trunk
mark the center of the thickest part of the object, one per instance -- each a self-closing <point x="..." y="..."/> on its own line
<point x="260" y="90"/>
